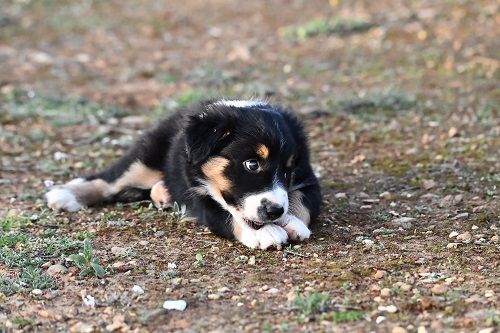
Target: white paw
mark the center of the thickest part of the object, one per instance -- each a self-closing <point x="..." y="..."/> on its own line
<point x="60" y="198"/>
<point x="295" y="228"/>
<point x="271" y="235"/>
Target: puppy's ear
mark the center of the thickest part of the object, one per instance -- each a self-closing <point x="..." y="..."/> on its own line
<point x="205" y="135"/>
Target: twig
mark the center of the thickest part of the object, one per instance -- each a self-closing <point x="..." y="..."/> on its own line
<point x="294" y="253"/>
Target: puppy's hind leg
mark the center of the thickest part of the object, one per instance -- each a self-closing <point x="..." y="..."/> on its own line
<point x="129" y="179"/>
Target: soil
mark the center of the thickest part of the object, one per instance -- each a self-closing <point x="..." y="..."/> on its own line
<point x="402" y="115"/>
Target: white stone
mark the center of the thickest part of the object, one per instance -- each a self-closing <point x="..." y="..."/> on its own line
<point x="179" y="305"/>
<point x="138" y="290"/>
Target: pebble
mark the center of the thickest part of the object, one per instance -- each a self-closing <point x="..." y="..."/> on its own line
<point x="391" y="308"/>
<point x="171" y="265"/>
<point x="439" y="289"/>
<point x="461" y="216"/>
<point x="379" y="274"/>
<point x="44" y="314"/>
<point x="366" y="207"/>
<point x="405" y="287"/>
<point x="385" y="293"/>
<point x="138" y="290"/>
<point x="341" y="195"/>
<point x="450" y="200"/>
<point x="487" y="330"/>
<point x="36" y="292"/>
<point x="159" y="233"/>
<point x="223" y="290"/>
<point x="251" y="261"/>
<point x="453" y="234"/>
<point x="429" y="196"/>
<point x="465" y="237"/>
<point x="81" y="327"/>
<point x="57" y="269"/>
<point x="368" y="242"/>
<point x="428" y="184"/>
<point x="398" y="329"/>
<point x="118" y="251"/>
<point x="179" y="305"/>
<point x="273" y="291"/>
<point x="371" y="201"/>
<point x="404" y="222"/>
<point x="143" y="242"/>
<point x="452" y="245"/>
<point x="386" y="195"/>
<point x="421" y="329"/>
<point x="474" y="227"/>
<point x="380" y="319"/>
<point x="213" y="296"/>
<point x="494" y="239"/>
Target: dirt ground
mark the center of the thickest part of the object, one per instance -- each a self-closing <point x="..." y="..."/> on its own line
<point x="400" y="100"/>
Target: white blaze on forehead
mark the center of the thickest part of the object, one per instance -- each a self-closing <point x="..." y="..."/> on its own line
<point x="278" y="196"/>
<point x="241" y="103"/>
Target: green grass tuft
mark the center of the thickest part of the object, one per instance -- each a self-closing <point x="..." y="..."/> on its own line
<point x="9" y="223"/>
<point x="311" y="304"/>
<point x="326" y="27"/>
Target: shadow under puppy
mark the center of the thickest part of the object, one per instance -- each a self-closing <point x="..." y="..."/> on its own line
<point x="241" y="167"/>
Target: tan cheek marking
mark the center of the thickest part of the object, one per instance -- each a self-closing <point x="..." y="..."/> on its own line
<point x="297" y="208"/>
<point x="213" y="169"/>
<point x="263" y="151"/>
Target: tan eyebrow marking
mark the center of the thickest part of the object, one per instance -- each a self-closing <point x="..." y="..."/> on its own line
<point x="263" y="151"/>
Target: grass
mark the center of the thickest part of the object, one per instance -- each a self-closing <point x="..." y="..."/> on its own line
<point x="87" y="262"/>
<point x="34" y="278"/>
<point x="19" y="105"/>
<point x="326" y="27"/>
<point x="9" y="223"/>
<point x="12" y="240"/>
<point x="21" y="322"/>
<point x="311" y="304"/>
<point x="8" y="286"/>
<point x="385" y="102"/>
<point x="345" y="316"/>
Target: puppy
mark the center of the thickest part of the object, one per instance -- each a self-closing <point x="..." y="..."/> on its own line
<point x="241" y="168"/>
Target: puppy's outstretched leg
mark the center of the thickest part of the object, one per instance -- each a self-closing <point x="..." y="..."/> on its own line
<point x="160" y="195"/>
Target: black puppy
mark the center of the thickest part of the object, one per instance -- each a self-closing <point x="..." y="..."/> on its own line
<point x="241" y="167"/>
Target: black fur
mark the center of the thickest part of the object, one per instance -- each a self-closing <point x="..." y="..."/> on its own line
<point x="180" y="144"/>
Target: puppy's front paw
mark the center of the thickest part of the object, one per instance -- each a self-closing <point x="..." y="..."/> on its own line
<point x="159" y="194"/>
<point x="271" y="235"/>
<point x="296" y="229"/>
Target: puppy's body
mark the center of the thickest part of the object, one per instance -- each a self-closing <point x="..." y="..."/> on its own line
<point x="241" y="167"/>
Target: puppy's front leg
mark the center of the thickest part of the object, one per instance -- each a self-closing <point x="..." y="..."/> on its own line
<point x="295" y="228"/>
<point x="269" y="235"/>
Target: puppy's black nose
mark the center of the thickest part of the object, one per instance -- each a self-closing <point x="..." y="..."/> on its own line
<point x="274" y="212"/>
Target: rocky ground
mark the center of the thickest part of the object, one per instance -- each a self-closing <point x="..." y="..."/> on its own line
<point x="400" y="100"/>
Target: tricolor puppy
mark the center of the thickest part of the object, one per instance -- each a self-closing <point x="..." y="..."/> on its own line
<point x="241" y="167"/>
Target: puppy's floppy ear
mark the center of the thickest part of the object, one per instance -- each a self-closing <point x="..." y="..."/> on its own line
<point x="206" y="133"/>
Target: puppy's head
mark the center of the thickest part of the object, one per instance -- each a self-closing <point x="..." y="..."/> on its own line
<point x="243" y="156"/>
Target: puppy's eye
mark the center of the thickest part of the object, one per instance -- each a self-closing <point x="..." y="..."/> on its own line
<point x="252" y="165"/>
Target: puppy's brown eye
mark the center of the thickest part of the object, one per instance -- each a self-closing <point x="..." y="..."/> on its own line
<point x="252" y="165"/>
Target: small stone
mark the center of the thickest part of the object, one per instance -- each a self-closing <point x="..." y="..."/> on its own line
<point x="452" y="245"/>
<point x="118" y="251"/>
<point x="137" y="290"/>
<point x="291" y="296"/>
<point x="404" y="222"/>
<point x="341" y="195"/>
<point x="159" y="233"/>
<point x="223" y="290"/>
<point x="171" y="265"/>
<point x="179" y="305"/>
<point x="88" y="300"/>
<point x="391" y="308"/>
<point x="405" y="287"/>
<point x="386" y="195"/>
<point x="494" y="239"/>
<point x="453" y="234"/>
<point x="452" y="132"/>
<point x="465" y="237"/>
<point x="273" y="291"/>
<point x="461" y="216"/>
<point x="43" y="314"/>
<point x="368" y="242"/>
<point x="371" y="201"/>
<point x="36" y="292"/>
<point x="375" y="288"/>
<point x="251" y="261"/>
<point x="81" y="327"/>
<point x="385" y="293"/>
<point x="264" y="288"/>
<point x="379" y="274"/>
<point x="143" y="242"/>
<point x="439" y="289"/>
<point x="487" y="330"/>
<point x="474" y="227"/>
<point x="489" y="293"/>
<point x="421" y="329"/>
<point x="213" y="296"/>
<point x="428" y="184"/>
<point x="398" y="329"/>
<point x="450" y="200"/>
<point x="57" y="269"/>
<point x="380" y="319"/>
<point x="366" y="207"/>
<point x="429" y="197"/>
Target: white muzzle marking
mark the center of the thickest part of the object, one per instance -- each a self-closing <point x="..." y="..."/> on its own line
<point x="278" y="196"/>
